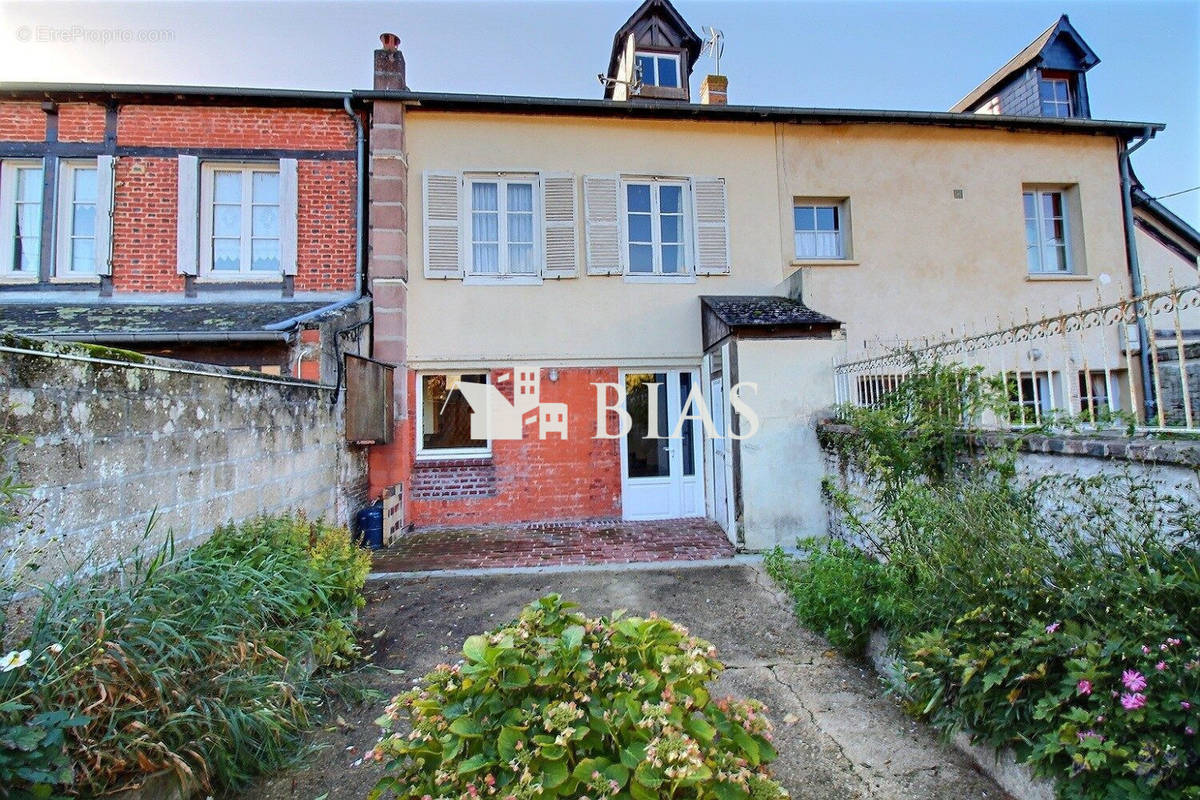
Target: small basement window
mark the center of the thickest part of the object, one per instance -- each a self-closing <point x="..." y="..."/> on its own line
<point x="445" y="416"/>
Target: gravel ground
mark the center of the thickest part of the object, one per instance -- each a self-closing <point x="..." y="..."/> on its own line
<point x="838" y="735"/>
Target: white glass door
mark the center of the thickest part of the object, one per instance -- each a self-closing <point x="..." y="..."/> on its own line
<point x="660" y="477"/>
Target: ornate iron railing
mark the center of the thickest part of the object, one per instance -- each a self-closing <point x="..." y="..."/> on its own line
<point x="1132" y="362"/>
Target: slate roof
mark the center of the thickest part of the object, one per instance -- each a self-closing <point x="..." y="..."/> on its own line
<point x="1023" y="59"/>
<point x="763" y="311"/>
<point x="127" y="321"/>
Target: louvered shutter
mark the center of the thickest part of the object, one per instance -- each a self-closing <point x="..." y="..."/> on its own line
<point x="187" y="233"/>
<point x="440" y="195"/>
<point x="558" y="206"/>
<point x="602" y="209"/>
<point x="289" y="215"/>
<point x="712" y="226"/>
<point x="105" y="180"/>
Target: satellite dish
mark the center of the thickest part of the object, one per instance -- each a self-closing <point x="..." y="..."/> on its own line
<point x="714" y="46"/>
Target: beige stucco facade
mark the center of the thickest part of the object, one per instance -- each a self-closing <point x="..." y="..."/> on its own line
<point x="922" y="261"/>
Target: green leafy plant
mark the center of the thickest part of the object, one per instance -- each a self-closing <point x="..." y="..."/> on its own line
<point x="560" y="705"/>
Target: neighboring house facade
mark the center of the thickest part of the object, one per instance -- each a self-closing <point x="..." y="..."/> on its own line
<point x="216" y="225"/>
<point x="657" y="244"/>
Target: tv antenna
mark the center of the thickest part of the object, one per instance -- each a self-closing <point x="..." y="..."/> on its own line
<point x="714" y="46"/>
<point x="635" y="85"/>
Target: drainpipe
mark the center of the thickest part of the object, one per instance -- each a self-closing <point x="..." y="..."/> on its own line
<point x="1149" y="398"/>
<point x="359" y="215"/>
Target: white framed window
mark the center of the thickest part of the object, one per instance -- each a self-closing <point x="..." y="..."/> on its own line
<point x="657" y="227"/>
<point x="1035" y="395"/>
<point x="1047" y="242"/>
<point x="504" y="226"/>
<point x="78" y="220"/>
<point x="240" y="231"/>
<point x="819" y="229"/>
<point x="659" y="69"/>
<point x="1055" y="94"/>
<point x="20" y="219"/>
<point x="444" y="416"/>
<point x="1098" y="393"/>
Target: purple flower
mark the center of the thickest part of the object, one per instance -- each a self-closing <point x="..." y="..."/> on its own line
<point x="1188" y="730"/>
<point x="1052" y="627"/>
<point x="1134" y="681"/>
<point x="1160" y="666"/>
<point x="1089" y="735"/>
<point x="1132" y="702"/>
<point x="1145" y="650"/>
<point x="1084" y="687"/>
<point x="1173" y="642"/>
<point x="1185" y="705"/>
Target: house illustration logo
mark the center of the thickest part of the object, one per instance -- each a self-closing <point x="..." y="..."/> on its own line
<point x="494" y="417"/>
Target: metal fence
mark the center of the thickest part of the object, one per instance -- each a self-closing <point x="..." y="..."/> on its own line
<point x="1133" y="362"/>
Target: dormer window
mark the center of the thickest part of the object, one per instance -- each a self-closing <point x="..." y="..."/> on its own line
<point x="1055" y="93"/>
<point x="659" y="69"/>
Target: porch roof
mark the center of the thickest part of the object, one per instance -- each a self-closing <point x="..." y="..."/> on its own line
<point x="760" y="315"/>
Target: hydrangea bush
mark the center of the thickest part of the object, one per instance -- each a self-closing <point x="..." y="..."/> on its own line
<point x="560" y="705"/>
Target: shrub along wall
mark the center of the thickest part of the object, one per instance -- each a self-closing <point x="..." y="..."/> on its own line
<point x="114" y="438"/>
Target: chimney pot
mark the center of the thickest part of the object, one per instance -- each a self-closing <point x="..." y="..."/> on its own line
<point x="389" y="63"/>
<point x="714" y="90"/>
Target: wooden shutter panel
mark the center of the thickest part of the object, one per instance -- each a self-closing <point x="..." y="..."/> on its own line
<point x="601" y="201"/>
<point x="558" y="206"/>
<point x="440" y="193"/>
<point x="105" y="181"/>
<point x="289" y="215"/>
<point x="187" y="240"/>
<point x="712" y="226"/>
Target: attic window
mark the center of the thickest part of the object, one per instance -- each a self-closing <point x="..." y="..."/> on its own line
<point x="1055" y="93"/>
<point x="659" y="69"/>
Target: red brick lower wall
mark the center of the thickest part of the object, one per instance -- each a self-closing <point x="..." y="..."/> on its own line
<point x="529" y="480"/>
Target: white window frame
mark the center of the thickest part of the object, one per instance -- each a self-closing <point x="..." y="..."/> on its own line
<point x="245" y="273"/>
<point x="688" y="222"/>
<point x="65" y="238"/>
<point x="839" y="206"/>
<point x="1041" y="220"/>
<point x="439" y="453"/>
<point x="466" y="215"/>
<point x="1056" y="103"/>
<point x="1112" y="395"/>
<point x="8" y="220"/>
<point x="657" y="56"/>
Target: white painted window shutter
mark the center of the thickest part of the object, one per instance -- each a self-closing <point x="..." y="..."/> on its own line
<point x="712" y="226"/>
<point x="558" y="205"/>
<point x="441" y="193"/>
<point x="601" y="202"/>
<point x="187" y="242"/>
<point x="289" y="215"/>
<point x="105" y="181"/>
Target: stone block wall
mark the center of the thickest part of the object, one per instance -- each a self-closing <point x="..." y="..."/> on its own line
<point x="115" y="439"/>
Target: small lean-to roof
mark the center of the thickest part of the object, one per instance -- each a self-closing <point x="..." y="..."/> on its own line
<point x="667" y="109"/>
<point x="760" y="316"/>
<point x="165" y="322"/>
<point x="1023" y="59"/>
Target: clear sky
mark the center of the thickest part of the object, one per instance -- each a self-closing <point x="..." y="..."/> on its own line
<point x="894" y="55"/>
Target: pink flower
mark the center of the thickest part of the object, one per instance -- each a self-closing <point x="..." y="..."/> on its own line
<point x="1162" y="646"/>
<point x="1145" y="650"/>
<point x="1052" y="627"/>
<point x="1090" y="735"/>
<point x="1084" y="687"/>
<point x="1160" y="666"/>
<point x="1132" y="702"/>
<point x="1100" y="718"/>
<point x="1134" y="681"/>
<point x="1173" y="642"/>
<point x="1185" y="705"/>
<point x="1188" y="730"/>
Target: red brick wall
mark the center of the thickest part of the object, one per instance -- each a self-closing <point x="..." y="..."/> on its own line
<point x="144" y="226"/>
<point x="218" y="126"/>
<point x="326" y="226"/>
<point x="80" y="122"/>
<point x="22" y="122"/>
<point x="531" y="479"/>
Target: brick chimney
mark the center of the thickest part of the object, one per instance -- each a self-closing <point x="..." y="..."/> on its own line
<point x="713" y="90"/>
<point x="389" y="63"/>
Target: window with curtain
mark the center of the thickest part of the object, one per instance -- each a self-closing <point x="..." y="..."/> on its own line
<point x="818" y="229"/>
<point x="1047" y="249"/>
<point x="241" y="215"/>
<point x="21" y="217"/>
<point x="502" y="228"/>
<point x="77" y="219"/>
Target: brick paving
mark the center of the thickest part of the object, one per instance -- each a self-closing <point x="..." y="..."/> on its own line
<point x="554" y="544"/>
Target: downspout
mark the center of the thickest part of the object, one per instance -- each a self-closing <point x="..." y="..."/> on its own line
<point x="359" y="216"/>
<point x="1149" y="398"/>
